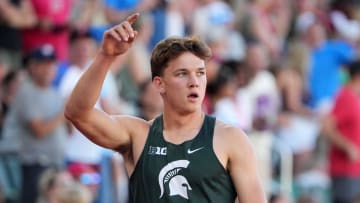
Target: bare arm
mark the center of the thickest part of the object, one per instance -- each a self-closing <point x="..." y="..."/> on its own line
<point x="269" y="39"/>
<point x="243" y="168"/>
<point x="102" y="129"/>
<point x="19" y="17"/>
<point x="335" y="137"/>
<point x="42" y="128"/>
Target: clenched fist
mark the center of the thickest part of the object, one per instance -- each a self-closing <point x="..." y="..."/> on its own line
<point x="118" y="39"/>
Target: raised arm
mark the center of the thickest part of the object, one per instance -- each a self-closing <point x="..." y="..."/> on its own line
<point x="103" y="129"/>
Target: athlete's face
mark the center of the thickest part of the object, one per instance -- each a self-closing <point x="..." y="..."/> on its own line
<point x="183" y="83"/>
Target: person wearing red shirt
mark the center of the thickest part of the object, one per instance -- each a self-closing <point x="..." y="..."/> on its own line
<point x="342" y="128"/>
<point x="52" y="28"/>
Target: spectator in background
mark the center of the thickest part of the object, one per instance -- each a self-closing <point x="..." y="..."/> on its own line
<point x="15" y="15"/>
<point x="261" y="88"/>
<point x="52" y="181"/>
<point x="75" y="193"/>
<point x="260" y="99"/>
<point x="298" y="126"/>
<point x="307" y="11"/>
<point x="9" y="160"/>
<point x="36" y="118"/>
<point x="115" y="11"/>
<point x="81" y="50"/>
<point x="52" y="27"/>
<point x="217" y="41"/>
<point x="83" y="13"/>
<point x="222" y="93"/>
<point x="210" y="14"/>
<point x="10" y="85"/>
<point x="150" y="103"/>
<point x="343" y="21"/>
<point x="175" y="25"/>
<point x="268" y="21"/>
<point x="218" y="17"/>
<point x="325" y="56"/>
<point x="114" y="179"/>
<point x="86" y="176"/>
<point x="79" y="148"/>
<point x="89" y="15"/>
<point x="135" y="71"/>
<point x="343" y="130"/>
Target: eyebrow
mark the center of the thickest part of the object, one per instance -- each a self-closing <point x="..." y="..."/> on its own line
<point x="184" y="69"/>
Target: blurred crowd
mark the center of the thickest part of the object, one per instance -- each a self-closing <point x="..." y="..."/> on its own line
<point x="278" y="71"/>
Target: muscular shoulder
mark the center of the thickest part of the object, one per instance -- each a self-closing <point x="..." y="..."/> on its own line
<point x="133" y="124"/>
<point x="232" y="141"/>
<point x="228" y="132"/>
<point x="138" y="130"/>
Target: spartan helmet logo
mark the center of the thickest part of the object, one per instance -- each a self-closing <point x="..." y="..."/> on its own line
<point x="178" y="184"/>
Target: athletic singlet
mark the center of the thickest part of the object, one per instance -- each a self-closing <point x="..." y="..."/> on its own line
<point x="188" y="172"/>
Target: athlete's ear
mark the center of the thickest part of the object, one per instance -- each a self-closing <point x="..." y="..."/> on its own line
<point x="159" y="84"/>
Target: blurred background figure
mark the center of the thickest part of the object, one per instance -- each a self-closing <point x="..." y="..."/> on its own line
<point x="114" y="179"/>
<point x="343" y="19"/>
<point x="10" y="85"/>
<point x="74" y="193"/>
<point x="16" y="15"/>
<point x="222" y="95"/>
<point x="325" y="56"/>
<point x="78" y="149"/>
<point x="298" y="125"/>
<point x="36" y="120"/>
<point x="261" y="88"/>
<point x="342" y="129"/>
<point x="9" y="146"/>
<point x="267" y="21"/>
<point x="52" y="27"/>
<point x="130" y="72"/>
<point x="86" y="176"/>
<point x="53" y="181"/>
<point x="150" y="102"/>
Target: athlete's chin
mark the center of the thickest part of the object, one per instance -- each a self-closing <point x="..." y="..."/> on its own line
<point x="190" y="109"/>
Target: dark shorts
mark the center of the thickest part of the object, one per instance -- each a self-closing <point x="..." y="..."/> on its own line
<point x="345" y="189"/>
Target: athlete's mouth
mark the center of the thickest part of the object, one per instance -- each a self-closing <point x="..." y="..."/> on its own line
<point x="193" y="95"/>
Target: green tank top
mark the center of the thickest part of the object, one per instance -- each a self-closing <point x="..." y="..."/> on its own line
<point x="188" y="172"/>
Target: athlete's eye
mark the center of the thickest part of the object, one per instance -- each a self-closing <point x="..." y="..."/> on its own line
<point x="181" y="74"/>
<point x="200" y="73"/>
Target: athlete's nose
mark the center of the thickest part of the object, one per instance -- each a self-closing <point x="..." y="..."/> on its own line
<point x="193" y="81"/>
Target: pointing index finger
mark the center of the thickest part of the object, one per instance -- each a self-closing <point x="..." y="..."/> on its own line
<point x="131" y="19"/>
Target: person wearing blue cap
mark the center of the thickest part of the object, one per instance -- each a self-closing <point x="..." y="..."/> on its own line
<point x="36" y="119"/>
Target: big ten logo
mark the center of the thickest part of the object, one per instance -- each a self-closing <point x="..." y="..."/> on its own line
<point x="157" y="150"/>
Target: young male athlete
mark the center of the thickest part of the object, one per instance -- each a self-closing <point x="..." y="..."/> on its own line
<point x="183" y="155"/>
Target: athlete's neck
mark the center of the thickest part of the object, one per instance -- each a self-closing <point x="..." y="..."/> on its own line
<point x="180" y="128"/>
<point x="175" y="121"/>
